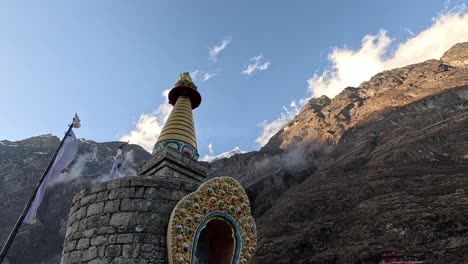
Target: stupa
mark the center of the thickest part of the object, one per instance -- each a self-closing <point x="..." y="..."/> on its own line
<point x="168" y="213"/>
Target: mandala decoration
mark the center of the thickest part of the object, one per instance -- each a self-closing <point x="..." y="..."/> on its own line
<point x="182" y="147"/>
<point x="221" y="198"/>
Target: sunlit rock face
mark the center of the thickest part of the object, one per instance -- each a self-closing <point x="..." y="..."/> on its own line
<point x="457" y="56"/>
<point x="380" y="166"/>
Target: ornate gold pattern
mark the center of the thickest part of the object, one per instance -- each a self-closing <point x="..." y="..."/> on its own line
<point x="224" y="195"/>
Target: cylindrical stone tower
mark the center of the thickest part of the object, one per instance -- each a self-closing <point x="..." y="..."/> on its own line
<point x="126" y="220"/>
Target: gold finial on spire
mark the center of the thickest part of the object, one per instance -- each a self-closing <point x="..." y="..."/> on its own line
<point x="185" y="77"/>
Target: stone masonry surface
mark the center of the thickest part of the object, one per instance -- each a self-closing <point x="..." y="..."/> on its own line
<point x="123" y="221"/>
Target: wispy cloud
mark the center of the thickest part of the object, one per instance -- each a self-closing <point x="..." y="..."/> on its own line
<point x="210" y="148"/>
<point x="257" y="63"/>
<point x="352" y="67"/>
<point x="195" y="75"/>
<point x="202" y="76"/>
<point x="216" y="49"/>
<point x="208" y="76"/>
<point x="409" y="31"/>
<point x="149" y="126"/>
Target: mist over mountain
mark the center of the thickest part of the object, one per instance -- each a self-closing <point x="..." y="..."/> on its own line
<point x="379" y="166"/>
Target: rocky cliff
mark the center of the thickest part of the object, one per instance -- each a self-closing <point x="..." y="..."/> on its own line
<point x="380" y="166"/>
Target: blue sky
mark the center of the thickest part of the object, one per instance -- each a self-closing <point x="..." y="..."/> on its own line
<point x="110" y="61"/>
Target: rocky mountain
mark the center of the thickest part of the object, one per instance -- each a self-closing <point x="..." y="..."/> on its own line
<point x="380" y="166"/>
<point x="21" y="165"/>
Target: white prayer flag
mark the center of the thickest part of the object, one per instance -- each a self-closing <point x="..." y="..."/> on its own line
<point x="67" y="153"/>
<point x="114" y="173"/>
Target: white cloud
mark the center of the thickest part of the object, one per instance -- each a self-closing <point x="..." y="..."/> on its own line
<point x="270" y="128"/>
<point x="409" y="31"/>
<point x="352" y="67"/>
<point x="208" y="76"/>
<point x="210" y="148"/>
<point x="203" y="76"/>
<point x="149" y="126"/>
<point x="216" y="49"/>
<point x="256" y="63"/>
<point x="195" y="75"/>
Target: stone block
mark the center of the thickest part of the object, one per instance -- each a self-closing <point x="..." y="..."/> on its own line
<point x="121" y="260"/>
<point x="76" y="235"/>
<point x="125" y="238"/>
<point x="171" y="184"/>
<point x="81" y="213"/>
<point x="143" y="182"/>
<point x="112" y="206"/>
<point x="147" y="247"/>
<point x="106" y="230"/>
<point x="97" y="221"/>
<point x="96" y="208"/>
<point x="149" y="219"/>
<point x="75" y="256"/>
<point x="73" y="228"/>
<point x="122" y="193"/>
<point x="135" y="205"/>
<point x="99" y="261"/>
<point x="130" y="251"/>
<point x="101" y="251"/>
<point x="151" y="193"/>
<point x="123" y="219"/>
<point x="99" y="240"/>
<point x="102" y="196"/>
<point x="113" y="251"/>
<point x="112" y="239"/>
<point x="69" y="246"/>
<point x="88" y="199"/>
<point x="139" y="192"/>
<point x="89" y="254"/>
<point x="83" y="224"/>
<point x="82" y="243"/>
<point x="89" y="232"/>
<point x="98" y="188"/>
<point x="177" y="195"/>
<point x="146" y="238"/>
<point x="164" y="207"/>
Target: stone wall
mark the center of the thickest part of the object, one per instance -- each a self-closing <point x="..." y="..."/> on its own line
<point x="123" y="221"/>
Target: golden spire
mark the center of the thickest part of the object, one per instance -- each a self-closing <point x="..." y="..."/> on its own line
<point x="179" y="131"/>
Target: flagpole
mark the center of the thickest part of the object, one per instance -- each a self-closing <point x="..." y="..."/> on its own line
<point x="13" y="232"/>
